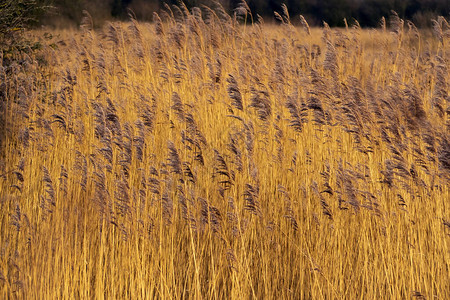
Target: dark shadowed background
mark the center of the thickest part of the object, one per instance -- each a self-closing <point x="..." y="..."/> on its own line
<point x="63" y="13"/>
<point x="367" y="12"/>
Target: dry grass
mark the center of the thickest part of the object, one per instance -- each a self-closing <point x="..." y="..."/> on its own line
<point x="196" y="158"/>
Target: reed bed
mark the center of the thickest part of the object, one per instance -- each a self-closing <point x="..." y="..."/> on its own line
<point x="197" y="157"/>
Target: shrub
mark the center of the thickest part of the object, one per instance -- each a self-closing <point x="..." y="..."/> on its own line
<point x="15" y="16"/>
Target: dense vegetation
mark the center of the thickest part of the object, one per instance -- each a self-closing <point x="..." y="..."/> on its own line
<point x="194" y="157"/>
<point x="15" y="17"/>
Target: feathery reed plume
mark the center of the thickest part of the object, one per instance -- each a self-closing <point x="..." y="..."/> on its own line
<point x="48" y="132"/>
<point x="24" y="137"/>
<point x="81" y="165"/>
<point x="415" y="112"/>
<point x="199" y="157"/>
<point x="100" y="65"/>
<point x="211" y="71"/>
<point x="86" y="61"/>
<point x="446" y="223"/>
<point x="177" y="36"/>
<point x="204" y="213"/>
<point x="285" y="19"/>
<point x="330" y="63"/>
<point x="215" y="218"/>
<point x="186" y="214"/>
<point x="16" y="219"/>
<point x="190" y="141"/>
<point x="400" y="164"/>
<point x="279" y="74"/>
<point x="106" y="150"/>
<point x="439" y="29"/>
<point x="101" y="194"/>
<point x="168" y="13"/>
<point x="63" y="177"/>
<point x="21" y="165"/>
<point x="259" y="21"/>
<point x="139" y="140"/>
<point x="396" y="24"/>
<point x="326" y="33"/>
<point x="444" y="154"/>
<point x="356" y="25"/>
<point x="167" y="206"/>
<point x="351" y="193"/>
<point x="198" y="139"/>
<point x="261" y="102"/>
<point x="160" y="55"/>
<point x="383" y="23"/>
<point x="187" y="171"/>
<point x="234" y="93"/>
<point x="323" y="203"/>
<point x="231" y="260"/>
<point x="135" y="32"/>
<point x="112" y="119"/>
<point x="210" y="15"/>
<point x="289" y="213"/>
<point x="243" y="4"/>
<point x="177" y="106"/>
<point x="249" y="137"/>
<point x="199" y="22"/>
<point x="305" y="25"/>
<point x="354" y="110"/>
<point x="418" y="295"/>
<point x="126" y="147"/>
<point x="183" y="8"/>
<point x="122" y="196"/>
<point x="19" y="175"/>
<point x="112" y="35"/>
<point x="345" y="180"/>
<point x="221" y="14"/>
<point x="232" y="218"/>
<point x="147" y="111"/>
<point x="251" y="194"/>
<point x="430" y="145"/>
<point x="346" y="24"/>
<point x="60" y="121"/>
<point x="242" y="10"/>
<point x="51" y="198"/>
<point x="174" y="159"/>
<point x="178" y="14"/>
<point x="154" y="185"/>
<point x="86" y="23"/>
<point x="234" y="149"/>
<point x="440" y="88"/>
<point x="315" y="105"/>
<point x="388" y="173"/>
<point x="278" y="17"/>
<point x="218" y="70"/>
<point x="412" y="29"/>
<point x="153" y="171"/>
<point x="326" y="178"/>
<point x="221" y="169"/>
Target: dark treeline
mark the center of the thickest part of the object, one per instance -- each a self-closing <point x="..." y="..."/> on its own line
<point x="367" y="12"/>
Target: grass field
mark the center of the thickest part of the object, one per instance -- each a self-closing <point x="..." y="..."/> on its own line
<point x="198" y="158"/>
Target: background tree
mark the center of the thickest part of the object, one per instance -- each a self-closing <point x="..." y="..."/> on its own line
<point x="15" y="16"/>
